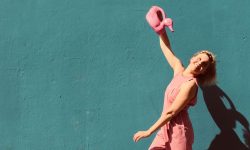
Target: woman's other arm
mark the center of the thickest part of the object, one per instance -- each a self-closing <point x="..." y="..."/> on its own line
<point x="187" y="92"/>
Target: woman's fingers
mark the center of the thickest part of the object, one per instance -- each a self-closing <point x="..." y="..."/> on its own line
<point x="134" y="138"/>
<point x="137" y="136"/>
<point x="137" y="139"/>
<point x="141" y="134"/>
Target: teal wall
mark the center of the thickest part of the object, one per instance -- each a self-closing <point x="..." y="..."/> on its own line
<point x="87" y="74"/>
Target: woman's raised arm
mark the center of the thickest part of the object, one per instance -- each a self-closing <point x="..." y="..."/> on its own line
<point x="173" y="61"/>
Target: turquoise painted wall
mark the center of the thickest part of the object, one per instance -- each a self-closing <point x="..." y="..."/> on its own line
<point x="86" y="75"/>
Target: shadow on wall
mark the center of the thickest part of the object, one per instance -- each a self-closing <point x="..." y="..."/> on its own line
<point x="225" y="117"/>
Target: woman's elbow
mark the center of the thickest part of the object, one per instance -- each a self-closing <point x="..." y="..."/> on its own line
<point x="170" y="114"/>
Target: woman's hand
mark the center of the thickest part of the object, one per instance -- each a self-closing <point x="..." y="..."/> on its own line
<point x="141" y="134"/>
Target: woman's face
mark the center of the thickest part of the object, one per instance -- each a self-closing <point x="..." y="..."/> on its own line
<point x="199" y="63"/>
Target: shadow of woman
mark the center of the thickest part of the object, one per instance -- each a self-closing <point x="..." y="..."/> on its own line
<point x="226" y="119"/>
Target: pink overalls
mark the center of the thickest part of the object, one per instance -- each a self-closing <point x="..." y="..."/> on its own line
<point x="177" y="134"/>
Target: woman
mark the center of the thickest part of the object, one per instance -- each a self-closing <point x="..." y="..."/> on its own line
<point x="176" y="132"/>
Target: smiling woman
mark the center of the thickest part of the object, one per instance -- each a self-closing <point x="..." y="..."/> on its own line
<point x="205" y="67"/>
<point x="176" y="132"/>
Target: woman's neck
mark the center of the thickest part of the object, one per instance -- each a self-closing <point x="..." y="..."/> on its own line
<point x="188" y="72"/>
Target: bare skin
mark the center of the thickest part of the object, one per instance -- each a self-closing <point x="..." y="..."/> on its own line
<point x="197" y="65"/>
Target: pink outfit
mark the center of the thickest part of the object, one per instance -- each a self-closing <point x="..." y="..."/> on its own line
<point x="177" y="134"/>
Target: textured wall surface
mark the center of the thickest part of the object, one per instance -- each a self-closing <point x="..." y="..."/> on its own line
<point x="87" y="74"/>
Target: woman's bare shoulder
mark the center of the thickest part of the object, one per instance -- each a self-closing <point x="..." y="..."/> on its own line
<point x="178" y="70"/>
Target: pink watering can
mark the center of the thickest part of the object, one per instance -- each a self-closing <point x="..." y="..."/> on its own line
<point x="157" y="20"/>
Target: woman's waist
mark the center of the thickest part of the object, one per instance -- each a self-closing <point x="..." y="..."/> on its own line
<point x="182" y="118"/>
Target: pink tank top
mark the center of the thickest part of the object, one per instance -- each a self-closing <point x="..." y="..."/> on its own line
<point x="181" y="121"/>
<point x="173" y="90"/>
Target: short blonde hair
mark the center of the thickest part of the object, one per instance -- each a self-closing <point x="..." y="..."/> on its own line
<point x="209" y="76"/>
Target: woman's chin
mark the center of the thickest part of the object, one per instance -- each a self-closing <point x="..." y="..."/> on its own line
<point x="196" y="71"/>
